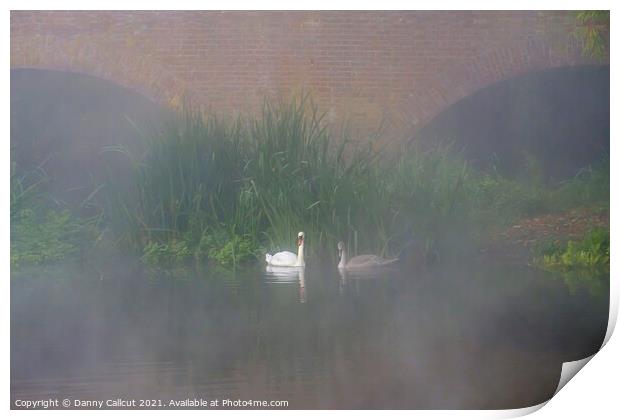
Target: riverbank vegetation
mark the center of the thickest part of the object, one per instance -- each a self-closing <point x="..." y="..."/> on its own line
<point x="589" y="253"/>
<point x="42" y="230"/>
<point x="592" y="31"/>
<point x="211" y="189"/>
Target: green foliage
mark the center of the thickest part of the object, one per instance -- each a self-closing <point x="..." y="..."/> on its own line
<point x="300" y="179"/>
<point x="230" y="251"/>
<point x="593" y="32"/>
<point x="259" y="181"/>
<point x="591" y="252"/>
<point x="36" y="240"/>
<point x="220" y="247"/>
<point x="26" y="189"/>
<point x="208" y="190"/>
<point x="590" y="185"/>
<point x="224" y="248"/>
<point x="165" y="254"/>
<point x="39" y="232"/>
<point x="224" y="191"/>
<point x="509" y="198"/>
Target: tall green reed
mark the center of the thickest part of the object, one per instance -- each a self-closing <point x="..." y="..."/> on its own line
<point x="301" y="176"/>
<point x="231" y="189"/>
<point x="266" y="179"/>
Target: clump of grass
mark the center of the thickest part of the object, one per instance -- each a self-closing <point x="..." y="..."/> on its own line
<point x="41" y="231"/>
<point x="36" y="239"/>
<point x="224" y="191"/>
<point x="592" y="252"/>
<point x="511" y="198"/>
<point x="227" y="250"/>
<point x="240" y="185"/>
<point x="590" y="186"/>
<point x="592" y="30"/>
<point x="301" y="180"/>
<point x="156" y="253"/>
<point x="215" y="245"/>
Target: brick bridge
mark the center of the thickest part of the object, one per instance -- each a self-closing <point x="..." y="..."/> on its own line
<point x="392" y="69"/>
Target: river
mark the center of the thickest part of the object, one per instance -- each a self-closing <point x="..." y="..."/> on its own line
<point x="457" y="337"/>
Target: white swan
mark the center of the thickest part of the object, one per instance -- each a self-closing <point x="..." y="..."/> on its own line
<point x="361" y="261"/>
<point x="287" y="258"/>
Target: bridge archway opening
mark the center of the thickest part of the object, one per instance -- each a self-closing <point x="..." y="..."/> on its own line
<point x="554" y="121"/>
<point x="66" y="120"/>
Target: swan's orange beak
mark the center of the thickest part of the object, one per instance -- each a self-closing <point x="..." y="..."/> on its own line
<point x="300" y="241"/>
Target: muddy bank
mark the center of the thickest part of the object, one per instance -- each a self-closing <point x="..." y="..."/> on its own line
<point x="517" y="244"/>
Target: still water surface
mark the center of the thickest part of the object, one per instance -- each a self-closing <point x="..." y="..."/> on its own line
<point x="452" y="337"/>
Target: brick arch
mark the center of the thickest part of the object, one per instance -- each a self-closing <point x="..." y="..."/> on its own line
<point x="487" y="69"/>
<point x="390" y="69"/>
<point x="128" y="67"/>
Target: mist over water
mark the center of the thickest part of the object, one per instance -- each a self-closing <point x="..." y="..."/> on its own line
<point x="460" y="334"/>
<point x="457" y="337"/>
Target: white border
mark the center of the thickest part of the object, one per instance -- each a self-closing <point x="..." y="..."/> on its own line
<point x="311" y="5"/>
<point x="593" y="394"/>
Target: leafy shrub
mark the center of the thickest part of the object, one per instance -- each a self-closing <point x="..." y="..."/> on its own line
<point x="237" y="250"/>
<point x="166" y="254"/>
<point x="40" y="232"/>
<point x="591" y="252"/>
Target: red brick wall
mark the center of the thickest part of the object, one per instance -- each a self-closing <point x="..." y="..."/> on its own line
<point x="368" y="68"/>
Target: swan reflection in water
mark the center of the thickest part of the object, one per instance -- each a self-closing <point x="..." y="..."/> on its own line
<point x="288" y="275"/>
<point x="351" y="278"/>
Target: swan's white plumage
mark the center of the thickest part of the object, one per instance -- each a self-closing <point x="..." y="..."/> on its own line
<point x="282" y="259"/>
<point x="287" y="258"/>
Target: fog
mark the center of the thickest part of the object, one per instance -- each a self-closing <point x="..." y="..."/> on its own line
<point x="451" y="338"/>
<point x="559" y="117"/>
<point x="63" y="122"/>
<point x="432" y="333"/>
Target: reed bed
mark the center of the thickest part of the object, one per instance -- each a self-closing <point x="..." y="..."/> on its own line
<point x="224" y="190"/>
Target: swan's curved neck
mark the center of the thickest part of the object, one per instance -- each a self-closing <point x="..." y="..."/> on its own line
<point x="300" y="256"/>
<point x="343" y="258"/>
